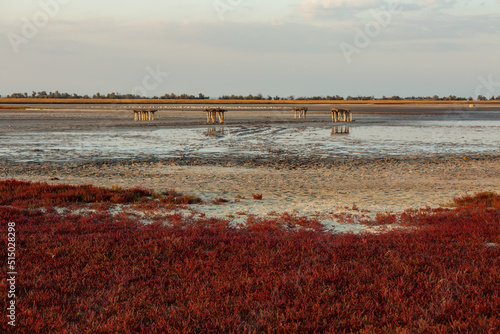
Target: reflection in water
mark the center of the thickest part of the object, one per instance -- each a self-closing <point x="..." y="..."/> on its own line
<point x="214" y="132"/>
<point x="340" y="130"/>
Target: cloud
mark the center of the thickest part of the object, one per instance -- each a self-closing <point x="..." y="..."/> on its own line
<point x="434" y="5"/>
<point x="348" y="9"/>
<point x="324" y="4"/>
<point x="317" y="8"/>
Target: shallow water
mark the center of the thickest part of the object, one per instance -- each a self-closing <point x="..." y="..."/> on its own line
<point x="382" y="138"/>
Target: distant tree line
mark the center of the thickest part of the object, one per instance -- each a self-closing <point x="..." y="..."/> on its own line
<point x="172" y="96"/>
<point x="57" y="95"/>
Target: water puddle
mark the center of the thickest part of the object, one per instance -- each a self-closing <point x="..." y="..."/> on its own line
<point x="328" y="140"/>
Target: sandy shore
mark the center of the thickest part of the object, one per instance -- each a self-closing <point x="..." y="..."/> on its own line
<point x="378" y="186"/>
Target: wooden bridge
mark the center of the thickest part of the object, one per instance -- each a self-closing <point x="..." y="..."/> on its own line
<point x="215" y="115"/>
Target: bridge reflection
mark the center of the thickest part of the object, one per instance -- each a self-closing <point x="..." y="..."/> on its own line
<point x="214" y="132"/>
<point x="340" y="130"/>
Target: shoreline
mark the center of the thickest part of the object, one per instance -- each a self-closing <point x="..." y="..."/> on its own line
<point x="298" y="166"/>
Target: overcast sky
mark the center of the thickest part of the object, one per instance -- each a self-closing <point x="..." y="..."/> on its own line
<point x="279" y="47"/>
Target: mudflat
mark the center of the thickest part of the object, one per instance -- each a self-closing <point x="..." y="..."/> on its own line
<point x="390" y="159"/>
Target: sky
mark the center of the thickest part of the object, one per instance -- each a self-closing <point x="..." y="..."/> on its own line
<point x="223" y="47"/>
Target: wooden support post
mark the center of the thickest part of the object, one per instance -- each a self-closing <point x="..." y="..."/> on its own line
<point x="215" y="115"/>
<point x="300" y="113"/>
<point x="144" y="114"/>
<point x="335" y="115"/>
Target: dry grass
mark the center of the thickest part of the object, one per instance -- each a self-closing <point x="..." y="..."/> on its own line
<point x="11" y="107"/>
<point x="215" y="101"/>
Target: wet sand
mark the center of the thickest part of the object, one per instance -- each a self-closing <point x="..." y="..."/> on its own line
<point x="308" y="184"/>
<point x="383" y="185"/>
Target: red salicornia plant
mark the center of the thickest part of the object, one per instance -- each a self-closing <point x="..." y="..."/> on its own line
<point x="108" y="273"/>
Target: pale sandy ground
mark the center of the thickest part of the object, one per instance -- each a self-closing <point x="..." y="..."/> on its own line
<point x="377" y="187"/>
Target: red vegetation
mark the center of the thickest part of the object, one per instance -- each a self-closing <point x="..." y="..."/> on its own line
<point x="257" y="197"/>
<point x="95" y="272"/>
<point x="219" y="201"/>
<point x="35" y="195"/>
<point x="487" y="198"/>
<point x="172" y="197"/>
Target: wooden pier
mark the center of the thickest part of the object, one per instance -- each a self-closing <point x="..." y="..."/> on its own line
<point x="144" y="115"/>
<point x="300" y="112"/>
<point x="214" y="115"/>
<point x="341" y="115"/>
